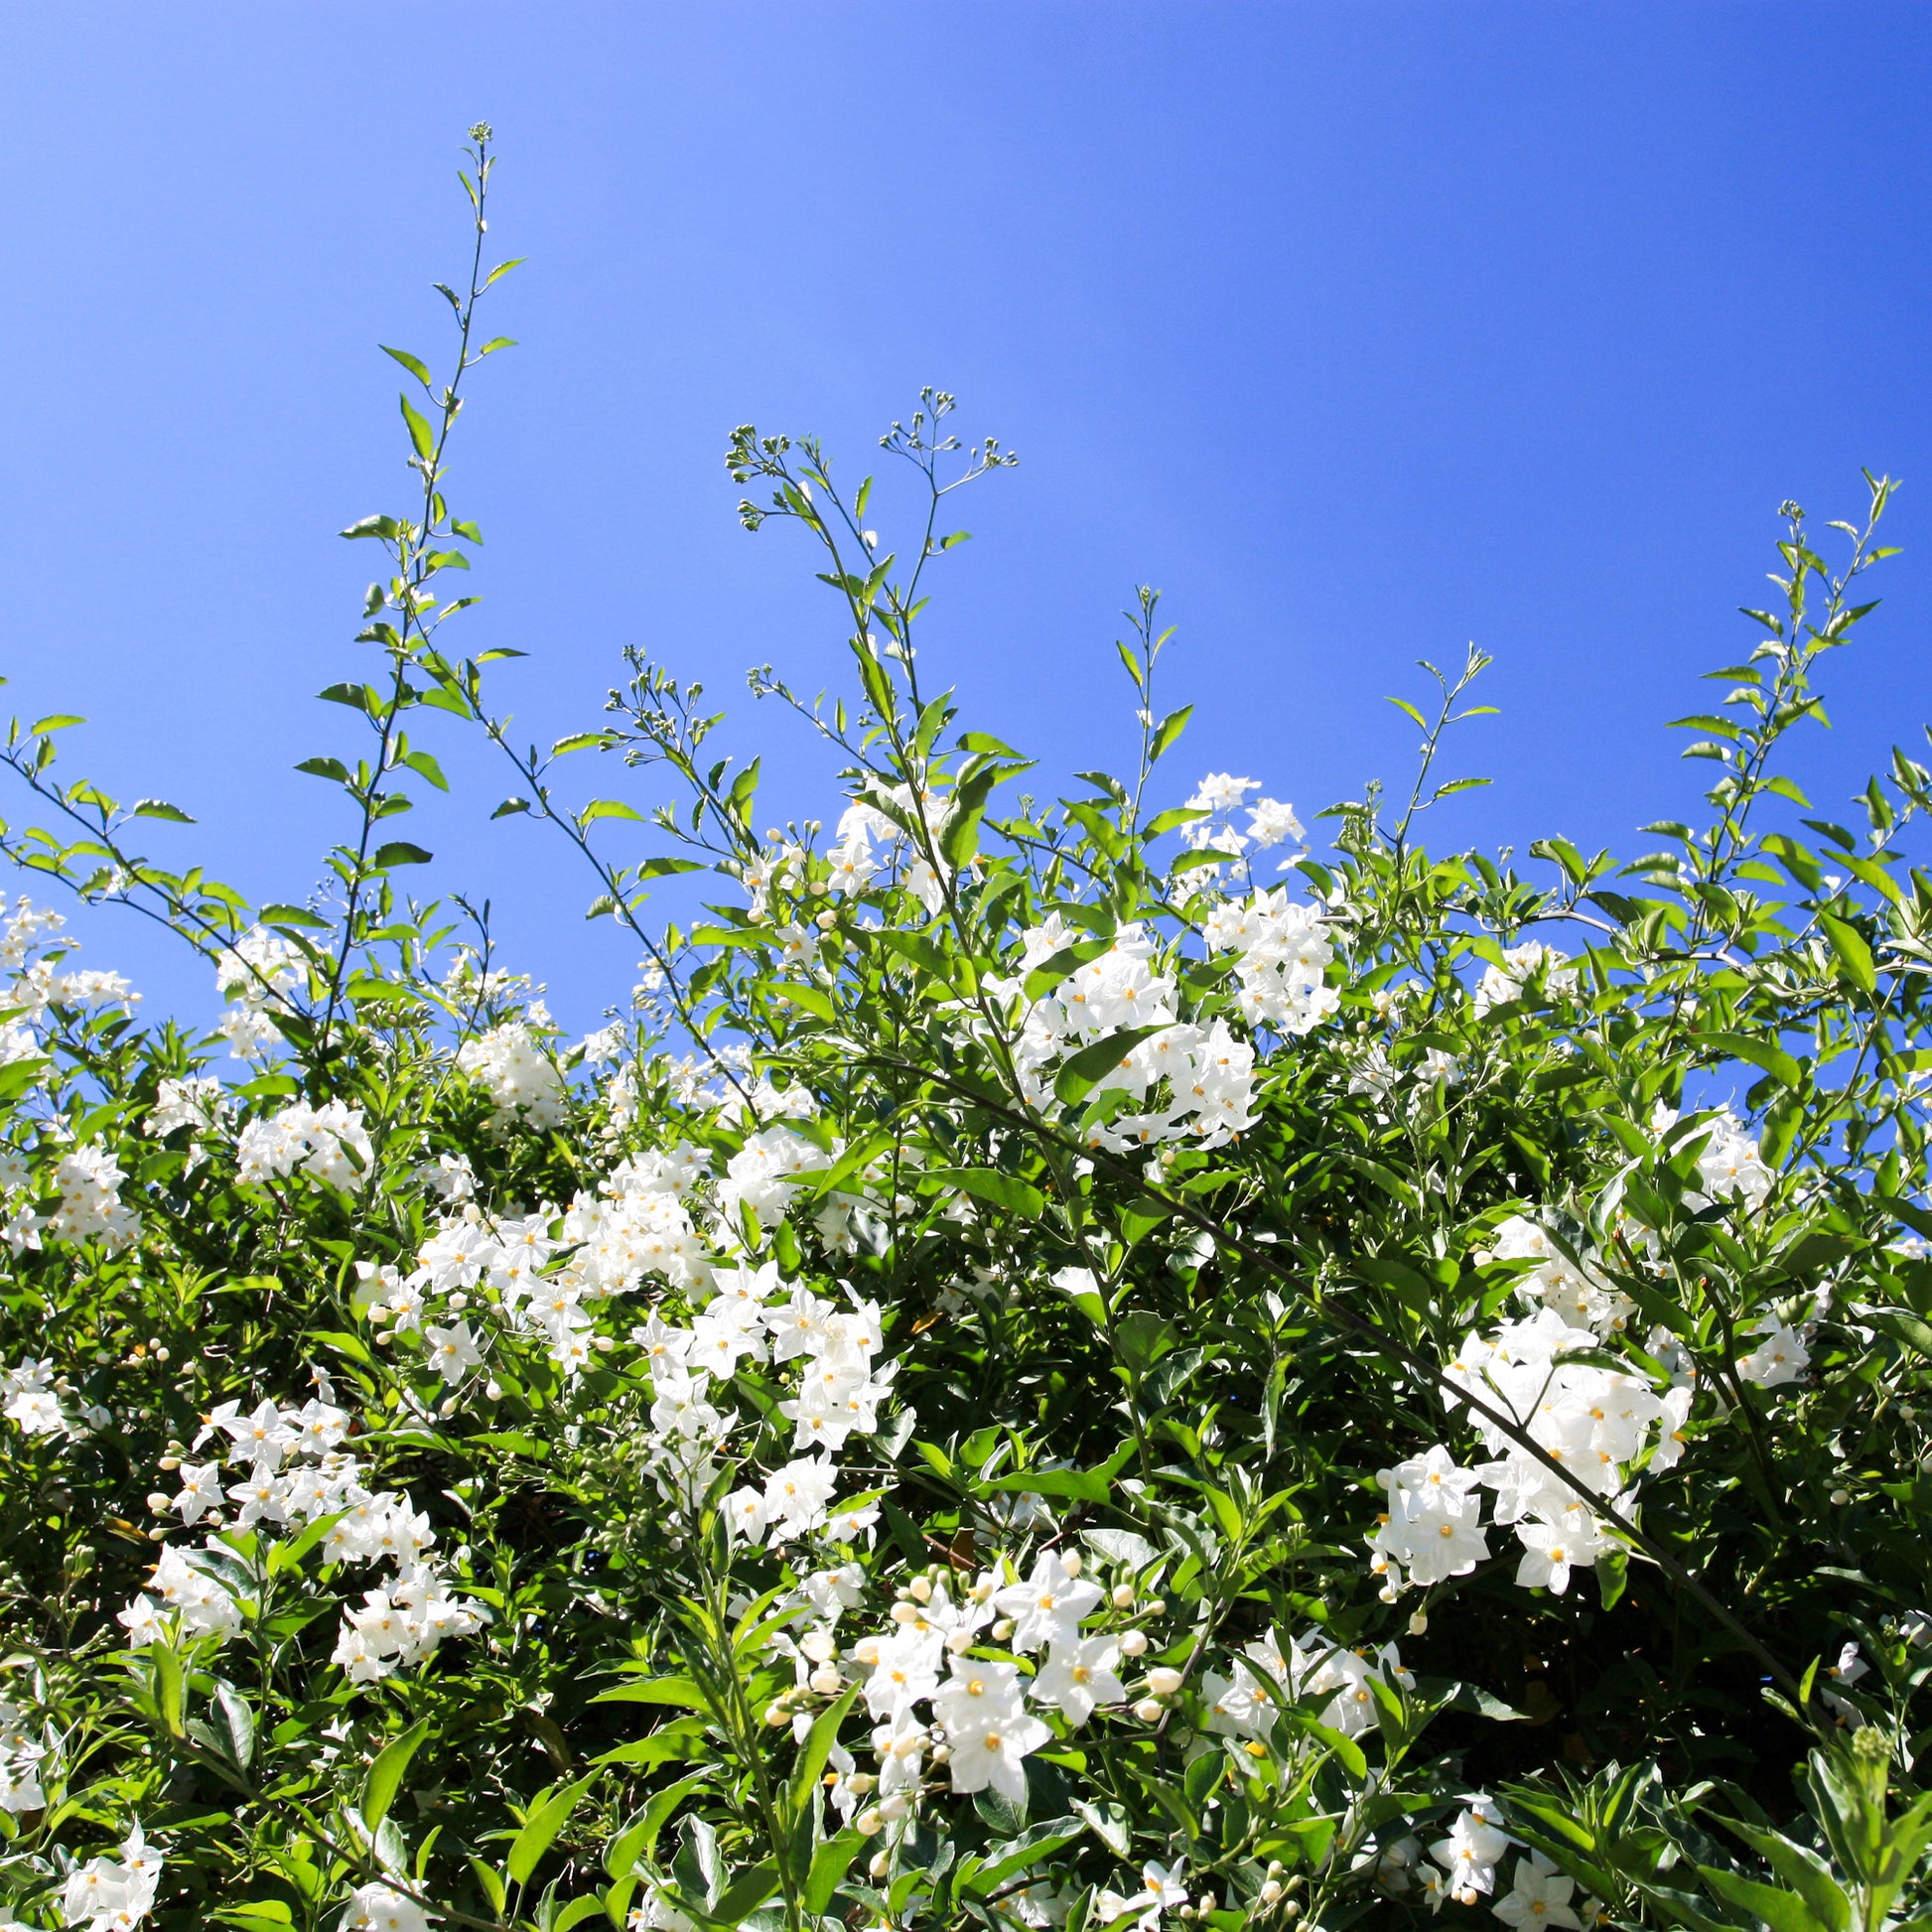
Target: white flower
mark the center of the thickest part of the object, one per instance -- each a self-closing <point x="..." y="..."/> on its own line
<point x="1047" y="1608"/>
<point x="993" y="1755"/>
<point x="378" y="1908"/>
<point x="1538" y="1898"/>
<point x="1079" y="1675"/>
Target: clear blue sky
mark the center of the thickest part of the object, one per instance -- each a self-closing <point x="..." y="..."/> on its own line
<point x="1361" y="329"/>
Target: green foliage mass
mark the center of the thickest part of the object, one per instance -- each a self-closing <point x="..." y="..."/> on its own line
<point x="1167" y="1276"/>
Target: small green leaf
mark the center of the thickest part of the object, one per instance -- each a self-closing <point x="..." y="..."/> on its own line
<point x="399" y="852"/>
<point x="159" y="808"/>
<point x="412" y="364"/>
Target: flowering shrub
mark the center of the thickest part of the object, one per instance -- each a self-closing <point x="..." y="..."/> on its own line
<point x="1053" y="1365"/>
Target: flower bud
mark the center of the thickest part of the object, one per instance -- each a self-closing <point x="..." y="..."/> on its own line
<point x="156" y="1501"/>
<point x="1419" y="1623"/>
<point x="922" y="1589"/>
<point x="1123" y="1596"/>
<point x="906" y="1614"/>
<point x="1162" y="1681"/>
<point x="826" y="1681"/>
<point x="775" y="1715"/>
<point x="826" y="921"/>
<point x="882" y="1862"/>
<point x="959" y="1641"/>
<point x="941" y="1753"/>
<point x="868" y="1821"/>
<point x="819" y="1646"/>
<point x="1149" y="1710"/>
<point x="1003" y="1630"/>
<point x="896" y="1807"/>
<point x="494" y="1390"/>
<point x="1157" y="1608"/>
<point x="1073" y="1562"/>
<point x="1133" y="1643"/>
<point x="1204" y="1903"/>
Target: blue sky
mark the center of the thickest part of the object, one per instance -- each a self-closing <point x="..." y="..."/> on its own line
<point x="1362" y="331"/>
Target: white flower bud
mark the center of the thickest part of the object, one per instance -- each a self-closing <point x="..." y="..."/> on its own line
<point x="1419" y="1623"/>
<point x="1072" y="1563"/>
<point x="775" y="1715"/>
<point x="1003" y="1630"/>
<point x="882" y="1862"/>
<point x="1162" y="1681"/>
<point x="869" y="1821"/>
<point x="826" y="1680"/>
<point x="922" y="1589"/>
<point x="1123" y="1596"/>
<point x="155" y="1501"/>
<point x="1133" y="1643"/>
<point x="1149" y="1710"/>
<point x="896" y="1807"/>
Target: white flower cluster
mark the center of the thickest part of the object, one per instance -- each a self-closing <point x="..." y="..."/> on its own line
<point x="1463" y="1866"/>
<point x="91" y="1208"/>
<point x="839" y="1392"/>
<point x="298" y="1475"/>
<point x="979" y="1725"/>
<point x="639" y="1226"/>
<point x="22" y="1753"/>
<point x="112" y="1895"/>
<point x="1221" y="795"/>
<point x="256" y="976"/>
<point x="1500" y="985"/>
<point x="1599" y="1425"/>
<point x="1281" y="949"/>
<point x="1244" y="1704"/>
<point x="509" y="1063"/>
<point x="855" y="864"/>
<point x="198" y="1101"/>
<point x="1195" y="1083"/>
<point x="29" y="952"/>
<point x="31" y="1403"/>
<point x="329" y="1142"/>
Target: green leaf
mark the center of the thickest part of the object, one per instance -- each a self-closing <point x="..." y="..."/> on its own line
<point x="160" y="808"/>
<point x="1757" y="1053"/>
<point x="1006" y="1190"/>
<point x="636" y="1840"/>
<point x="547" y="1817"/>
<point x="399" y="852"/>
<point x="379" y="1788"/>
<point x="420" y="433"/>
<point x="1071" y="1485"/>
<point x="413" y="365"/>
<point x="1803" y="1870"/>
<point x="745" y="1893"/>
<point x="428" y="766"/>
<point x="1782" y="1911"/>
<point x="607" y="808"/>
<point x="510" y="806"/>
<point x="1081" y="1072"/>
<point x="168" y="1690"/>
<point x="830" y="1863"/>
<point x="818" y="1748"/>
<point x="291" y="915"/>
<point x="55" y="721"/>
<point x="1168" y="731"/>
<point x="1852" y="954"/>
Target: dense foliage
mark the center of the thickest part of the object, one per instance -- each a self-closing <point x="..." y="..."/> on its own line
<point x="1057" y="1364"/>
